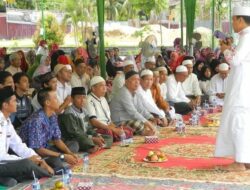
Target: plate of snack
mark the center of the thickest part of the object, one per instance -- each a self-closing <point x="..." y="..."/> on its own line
<point x="155" y="157"/>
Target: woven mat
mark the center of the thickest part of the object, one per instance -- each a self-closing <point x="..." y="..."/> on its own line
<point x="124" y="161"/>
<point x="121" y="168"/>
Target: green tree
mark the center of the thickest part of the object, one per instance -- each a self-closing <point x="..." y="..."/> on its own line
<point x="112" y="8"/>
<point x="140" y="33"/>
<point x="24" y="4"/>
<point x="129" y="10"/>
<point x="78" y="12"/>
<point x="54" y="32"/>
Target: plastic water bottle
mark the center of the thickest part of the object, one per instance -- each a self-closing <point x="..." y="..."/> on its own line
<point x="70" y="174"/>
<point x="206" y="105"/>
<point x="183" y="128"/>
<point x="179" y="126"/>
<point x="130" y="140"/>
<point x="214" y="102"/>
<point x="85" y="162"/>
<point x="36" y="185"/>
<point x="67" y="177"/>
<point x="198" y="110"/>
<point x="123" y="138"/>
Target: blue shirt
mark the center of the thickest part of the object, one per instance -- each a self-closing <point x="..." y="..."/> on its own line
<point x="39" y="129"/>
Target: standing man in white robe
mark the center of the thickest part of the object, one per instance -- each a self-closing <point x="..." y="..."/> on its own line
<point x="234" y="133"/>
<point x="218" y="84"/>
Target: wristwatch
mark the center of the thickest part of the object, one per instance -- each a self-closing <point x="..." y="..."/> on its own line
<point x="61" y="156"/>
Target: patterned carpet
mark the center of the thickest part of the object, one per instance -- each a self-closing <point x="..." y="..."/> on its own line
<point x="190" y="165"/>
<point x="102" y="182"/>
<point x="124" y="161"/>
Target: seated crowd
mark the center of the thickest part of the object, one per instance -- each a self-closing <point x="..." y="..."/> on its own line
<point x="56" y="105"/>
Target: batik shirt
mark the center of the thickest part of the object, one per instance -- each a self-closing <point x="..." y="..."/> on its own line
<point x="39" y="130"/>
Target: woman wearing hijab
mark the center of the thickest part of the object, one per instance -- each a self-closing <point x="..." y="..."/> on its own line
<point x="197" y="68"/>
<point x="24" y="65"/>
<point x="204" y="80"/>
<point x="214" y="64"/>
<point x="44" y="66"/>
<point x="33" y="67"/>
<point x="174" y="61"/>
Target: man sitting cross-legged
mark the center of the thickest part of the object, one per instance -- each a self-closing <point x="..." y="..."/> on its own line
<point x="99" y="112"/>
<point x="41" y="132"/>
<point x="74" y="124"/>
<point x="19" y="166"/>
<point x="127" y="108"/>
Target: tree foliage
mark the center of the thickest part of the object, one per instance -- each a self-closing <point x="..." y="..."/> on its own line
<point x="54" y="32"/>
<point x="80" y="12"/>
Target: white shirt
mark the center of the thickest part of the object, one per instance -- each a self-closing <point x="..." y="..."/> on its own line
<point x="117" y="83"/>
<point x="35" y="104"/>
<point x="148" y="102"/>
<point x="98" y="108"/>
<point x="234" y="131"/>
<point x="77" y="81"/>
<point x="63" y="91"/>
<point x="13" y="70"/>
<point x="164" y="90"/>
<point x="191" y="85"/>
<point x="175" y="91"/>
<point x="42" y="51"/>
<point x="204" y="85"/>
<point x="10" y="139"/>
<point x="217" y="85"/>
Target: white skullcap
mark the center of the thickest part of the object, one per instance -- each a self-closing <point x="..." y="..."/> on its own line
<point x="162" y="69"/>
<point x="150" y="59"/>
<point x="59" y="67"/>
<point x="95" y="80"/>
<point x="241" y="11"/>
<point x="187" y="62"/>
<point x="223" y="67"/>
<point x="128" y="62"/>
<point x="181" y="69"/>
<point x="146" y="72"/>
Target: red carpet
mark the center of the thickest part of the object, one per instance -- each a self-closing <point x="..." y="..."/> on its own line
<point x="188" y="163"/>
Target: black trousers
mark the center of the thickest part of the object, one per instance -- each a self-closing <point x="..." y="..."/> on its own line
<point x="55" y="162"/>
<point x="182" y="108"/>
<point x="20" y="170"/>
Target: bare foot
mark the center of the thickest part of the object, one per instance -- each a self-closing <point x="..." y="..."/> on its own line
<point x="146" y="132"/>
<point x="171" y="123"/>
<point x="93" y="150"/>
<point x="234" y="167"/>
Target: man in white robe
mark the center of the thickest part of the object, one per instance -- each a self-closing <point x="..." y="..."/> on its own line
<point x="175" y="93"/>
<point x="234" y="132"/>
<point x="146" y="98"/>
<point x="218" y="84"/>
<point x="191" y="85"/>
